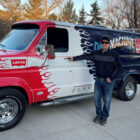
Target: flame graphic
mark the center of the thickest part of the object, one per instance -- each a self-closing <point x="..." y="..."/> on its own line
<point x="51" y="86"/>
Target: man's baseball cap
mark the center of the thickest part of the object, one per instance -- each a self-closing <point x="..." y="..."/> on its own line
<point x="105" y="38"/>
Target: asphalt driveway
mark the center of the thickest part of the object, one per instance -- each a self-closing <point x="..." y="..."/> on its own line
<point x="73" y="121"/>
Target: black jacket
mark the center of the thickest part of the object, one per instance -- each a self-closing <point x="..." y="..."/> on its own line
<point x="107" y="64"/>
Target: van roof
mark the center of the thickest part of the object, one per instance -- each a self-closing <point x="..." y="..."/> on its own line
<point x="45" y="22"/>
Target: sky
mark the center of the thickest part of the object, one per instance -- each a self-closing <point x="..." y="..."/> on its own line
<point x="87" y="4"/>
<point x="79" y="3"/>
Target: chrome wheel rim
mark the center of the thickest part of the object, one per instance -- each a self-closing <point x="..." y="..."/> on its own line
<point x="8" y="110"/>
<point x="130" y="89"/>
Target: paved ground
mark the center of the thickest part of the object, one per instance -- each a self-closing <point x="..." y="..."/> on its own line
<point x="73" y="121"/>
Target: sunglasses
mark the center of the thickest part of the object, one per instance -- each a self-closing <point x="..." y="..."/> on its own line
<point x="103" y="42"/>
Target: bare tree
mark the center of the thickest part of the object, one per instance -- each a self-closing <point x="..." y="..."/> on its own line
<point x="132" y="13"/>
<point x="11" y="10"/>
<point x="122" y="14"/>
<point x="50" y="5"/>
<point x="113" y="10"/>
<point x="33" y="10"/>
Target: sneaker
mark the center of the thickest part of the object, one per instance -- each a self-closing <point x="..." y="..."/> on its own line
<point x="103" y="121"/>
<point x="96" y="119"/>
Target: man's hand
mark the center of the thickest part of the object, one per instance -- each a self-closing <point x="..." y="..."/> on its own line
<point x="70" y="58"/>
<point x="108" y="80"/>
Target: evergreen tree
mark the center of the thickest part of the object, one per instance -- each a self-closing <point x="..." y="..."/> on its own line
<point x="52" y="16"/>
<point x="95" y="15"/>
<point x="82" y="16"/>
<point x="33" y="10"/>
<point x="68" y="14"/>
<point x="74" y="17"/>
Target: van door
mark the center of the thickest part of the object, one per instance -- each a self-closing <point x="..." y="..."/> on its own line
<point x="56" y="73"/>
<point x="61" y="77"/>
<point x="59" y="69"/>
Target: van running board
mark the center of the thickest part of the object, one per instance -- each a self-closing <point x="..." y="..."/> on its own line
<point x="66" y="99"/>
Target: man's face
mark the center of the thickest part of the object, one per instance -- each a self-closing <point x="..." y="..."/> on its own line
<point x="105" y="44"/>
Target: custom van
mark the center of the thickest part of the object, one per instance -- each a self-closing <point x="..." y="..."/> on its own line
<point x="34" y="68"/>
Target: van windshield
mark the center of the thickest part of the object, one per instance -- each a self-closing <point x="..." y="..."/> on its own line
<point x="18" y="39"/>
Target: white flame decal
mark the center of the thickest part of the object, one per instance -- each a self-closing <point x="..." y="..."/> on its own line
<point x="51" y="86"/>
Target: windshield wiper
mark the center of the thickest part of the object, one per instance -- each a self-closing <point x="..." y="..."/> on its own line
<point x="2" y="45"/>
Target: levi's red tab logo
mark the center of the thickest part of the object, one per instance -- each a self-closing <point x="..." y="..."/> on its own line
<point x="18" y="62"/>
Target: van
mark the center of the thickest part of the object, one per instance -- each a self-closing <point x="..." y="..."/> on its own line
<point x="34" y="68"/>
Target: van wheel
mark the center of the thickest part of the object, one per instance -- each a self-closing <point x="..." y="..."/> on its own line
<point x="128" y="90"/>
<point x="12" y="107"/>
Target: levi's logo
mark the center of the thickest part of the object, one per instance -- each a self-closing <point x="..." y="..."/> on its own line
<point x="18" y="62"/>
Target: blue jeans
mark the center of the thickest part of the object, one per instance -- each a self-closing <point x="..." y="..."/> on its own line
<point x="102" y="89"/>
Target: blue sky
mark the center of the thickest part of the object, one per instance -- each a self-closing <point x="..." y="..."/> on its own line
<point x="79" y="3"/>
<point x="87" y="4"/>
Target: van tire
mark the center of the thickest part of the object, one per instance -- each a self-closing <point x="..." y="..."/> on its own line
<point x="12" y="107"/>
<point x="128" y="91"/>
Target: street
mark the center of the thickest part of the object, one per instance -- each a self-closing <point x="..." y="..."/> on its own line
<point x="73" y="121"/>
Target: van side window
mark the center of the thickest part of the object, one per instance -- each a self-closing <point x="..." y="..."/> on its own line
<point x="59" y="38"/>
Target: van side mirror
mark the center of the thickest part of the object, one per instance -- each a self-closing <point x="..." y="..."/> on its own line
<point x="51" y="51"/>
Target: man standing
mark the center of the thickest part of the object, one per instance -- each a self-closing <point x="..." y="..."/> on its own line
<point x="108" y="68"/>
